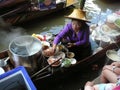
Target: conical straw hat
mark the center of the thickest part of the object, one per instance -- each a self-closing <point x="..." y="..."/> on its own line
<point x="78" y="14"/>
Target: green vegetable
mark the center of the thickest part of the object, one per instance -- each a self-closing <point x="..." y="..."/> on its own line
<point x="66" y="62"/>
<point x="117" y="22"/>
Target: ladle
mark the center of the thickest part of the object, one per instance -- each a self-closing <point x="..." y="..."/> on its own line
<point x="4" y="62"/>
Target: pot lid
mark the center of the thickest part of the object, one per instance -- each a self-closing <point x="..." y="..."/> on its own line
<point x="25" y="45"/>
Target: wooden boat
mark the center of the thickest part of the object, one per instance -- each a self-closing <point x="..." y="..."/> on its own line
<point x="48" y="73"/>
<point x="19" y="11"/>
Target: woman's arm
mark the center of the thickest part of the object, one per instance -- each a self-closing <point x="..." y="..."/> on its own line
<point x="59" y="37"/>
<point x="113" y="69"/>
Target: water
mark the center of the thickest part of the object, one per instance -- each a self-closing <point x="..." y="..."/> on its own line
<point x="97" y="10"/>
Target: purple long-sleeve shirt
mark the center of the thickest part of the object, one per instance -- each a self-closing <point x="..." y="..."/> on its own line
<point x="81" y="39"/>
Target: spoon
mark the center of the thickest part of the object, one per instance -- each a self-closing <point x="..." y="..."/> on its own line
<point x="4" y="62"/>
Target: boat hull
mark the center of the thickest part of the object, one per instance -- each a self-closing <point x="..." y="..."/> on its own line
<point x="51" y="74"/>
<point x="25" y="11"/>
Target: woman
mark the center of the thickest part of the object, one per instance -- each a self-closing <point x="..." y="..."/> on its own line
<point x="76" y="34"/>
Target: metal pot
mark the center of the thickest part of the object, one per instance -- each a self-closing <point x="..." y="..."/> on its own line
<point x="25" y="51"/>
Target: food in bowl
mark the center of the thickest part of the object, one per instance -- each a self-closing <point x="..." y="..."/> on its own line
<point x="57" y="56"/>
<point x="112" y="55"/>
<point x="117" y="22"/>
<point x="66" y="62"/>
<point x="52" y="60"/>
<point x="70" y="54"/>
<point x="45" y="45"/>
<point x="47" y="52"/>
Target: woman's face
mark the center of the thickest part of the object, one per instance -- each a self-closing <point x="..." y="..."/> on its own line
<point x="47" y="2"/>
<point x="76" y="25"/>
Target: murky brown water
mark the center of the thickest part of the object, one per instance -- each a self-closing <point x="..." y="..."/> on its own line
<point x="97" y="10"/>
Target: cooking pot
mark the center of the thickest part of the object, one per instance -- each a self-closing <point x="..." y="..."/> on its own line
<point x="26" y="51"/>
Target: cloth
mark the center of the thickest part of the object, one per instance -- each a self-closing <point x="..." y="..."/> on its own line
<point x="105" y="87"/>
<point x="117" y="88"/>
<point x="44" y="7"/>
<point x="118" y="84"/>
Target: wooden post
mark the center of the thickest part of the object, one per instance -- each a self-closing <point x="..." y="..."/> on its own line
<point x="82" y="3"/>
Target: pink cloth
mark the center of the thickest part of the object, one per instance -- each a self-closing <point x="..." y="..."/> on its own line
<point x="117" y="88"/>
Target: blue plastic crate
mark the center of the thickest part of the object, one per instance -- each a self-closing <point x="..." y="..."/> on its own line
<point x="16" y="79"/>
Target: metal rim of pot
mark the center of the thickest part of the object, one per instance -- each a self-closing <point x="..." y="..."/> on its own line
<point x="23" y="37"/>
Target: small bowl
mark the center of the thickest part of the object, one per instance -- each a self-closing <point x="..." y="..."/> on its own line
<point x="70" y="54"/>
<point x="73" y="61"/>
<point x="45" y="45"/>
<point x="51" y="60"/>
<point x="112" y="55"/>
<point x="66" y="62"/>
<point x="60" y="47"/>
<point x="47" y="52"/>
<point x="2" y="70"/>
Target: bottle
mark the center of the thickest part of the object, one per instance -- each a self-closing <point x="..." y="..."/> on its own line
<point x="40" y="37"/>
<point x="44" y="38"/>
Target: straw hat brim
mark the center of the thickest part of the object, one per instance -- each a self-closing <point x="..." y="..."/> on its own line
<point x="77" y="19"/>
<point x="112" y="55"/>
<point x="78" y="14"/>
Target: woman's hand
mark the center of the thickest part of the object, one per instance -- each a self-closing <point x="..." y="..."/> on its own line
<point x="49" y="52"/>
<point x="69" y="45"/>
